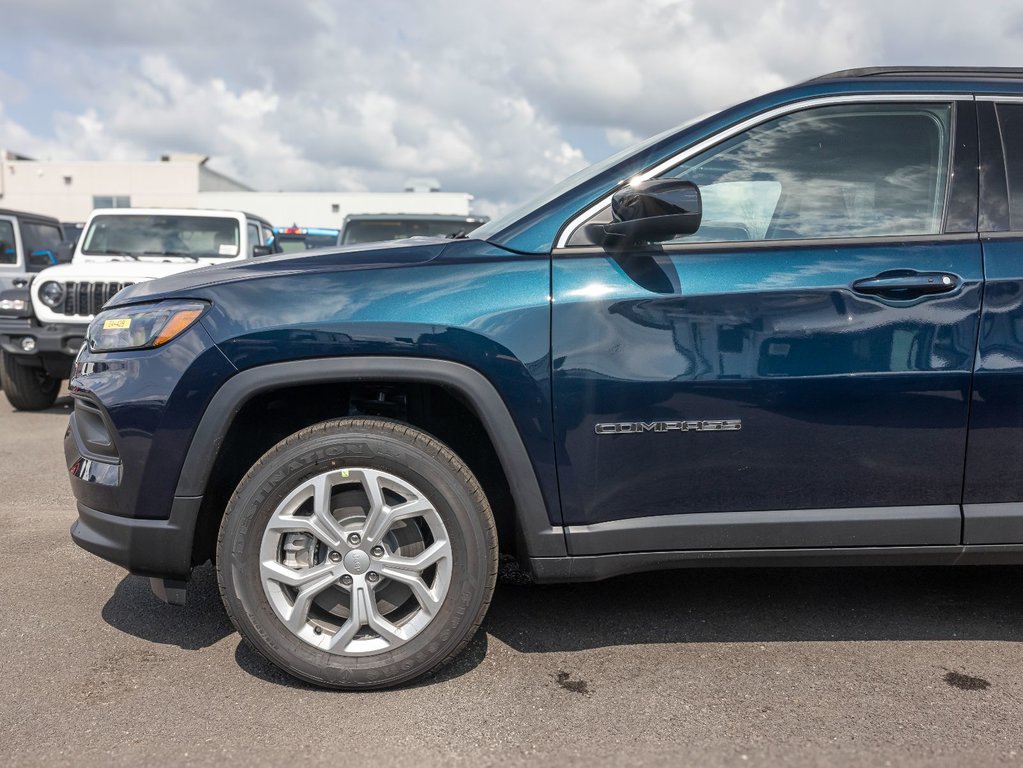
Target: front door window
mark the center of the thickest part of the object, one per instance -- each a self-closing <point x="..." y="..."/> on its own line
<point x="828" y="172"/>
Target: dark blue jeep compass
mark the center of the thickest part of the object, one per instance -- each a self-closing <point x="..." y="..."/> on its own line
<point x="790" y="333"/>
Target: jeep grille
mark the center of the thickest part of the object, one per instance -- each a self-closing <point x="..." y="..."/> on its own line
<point x="87" y="298"/>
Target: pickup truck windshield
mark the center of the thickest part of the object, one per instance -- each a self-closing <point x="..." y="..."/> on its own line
<point x="294" y="239"/>
<point x="206" y="237"/>
<point x="372" y="230"/>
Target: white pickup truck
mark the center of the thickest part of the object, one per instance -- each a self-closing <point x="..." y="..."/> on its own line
<point x="118" y="247"/>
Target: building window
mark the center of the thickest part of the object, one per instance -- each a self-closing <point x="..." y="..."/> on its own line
<point x="111" y="201"/>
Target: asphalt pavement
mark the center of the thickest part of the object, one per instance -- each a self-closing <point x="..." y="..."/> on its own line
<point x="867" y="667"/>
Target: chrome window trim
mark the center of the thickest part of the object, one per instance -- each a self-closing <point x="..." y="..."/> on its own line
<point x="733" y="246"/>
<point x="1002" y="234"/>
<point x="569" y="229"/>
<point x="987" y="97"/>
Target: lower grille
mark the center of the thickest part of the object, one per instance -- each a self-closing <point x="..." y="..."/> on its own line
<point x="87" y="298"/>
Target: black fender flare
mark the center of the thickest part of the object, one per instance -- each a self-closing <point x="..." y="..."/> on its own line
<point x="538" y="536"/>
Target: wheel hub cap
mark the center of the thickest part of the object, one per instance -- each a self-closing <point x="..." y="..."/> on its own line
<point x="356" y="562"/>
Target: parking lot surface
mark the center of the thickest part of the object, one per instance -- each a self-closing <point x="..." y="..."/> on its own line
<point x="700" y="667"/>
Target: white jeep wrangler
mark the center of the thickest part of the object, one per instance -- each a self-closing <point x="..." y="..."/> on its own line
<point x="118" y="247"/>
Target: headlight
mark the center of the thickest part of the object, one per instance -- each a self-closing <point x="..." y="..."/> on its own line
<point x="142" y="327"/>
<point x="52" y="293"/>
<point x="15" y="303"/>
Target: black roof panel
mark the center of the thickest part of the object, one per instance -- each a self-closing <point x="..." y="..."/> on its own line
<point x="29" y="215"/>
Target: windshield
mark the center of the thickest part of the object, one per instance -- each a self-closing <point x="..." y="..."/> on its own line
<point x="206" y="237"/>
<point x="293" y="243"/>
<point x="371" y="230"/>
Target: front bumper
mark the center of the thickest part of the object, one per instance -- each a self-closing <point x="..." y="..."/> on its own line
<point x="132" y="424"/>
<point x="56" y="344"/>
<point x="158" y="548"/>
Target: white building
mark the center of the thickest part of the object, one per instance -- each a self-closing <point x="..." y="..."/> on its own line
<point x="328" y="209"/>
<point x="70" y="191"/>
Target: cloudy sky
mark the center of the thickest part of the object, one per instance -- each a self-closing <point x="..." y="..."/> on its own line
<point x="496" y="98"/>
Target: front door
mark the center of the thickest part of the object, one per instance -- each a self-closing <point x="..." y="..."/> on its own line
<point x="797" y="372"/>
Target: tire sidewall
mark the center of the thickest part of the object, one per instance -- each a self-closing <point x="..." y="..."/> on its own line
<point x="287" y="466"/>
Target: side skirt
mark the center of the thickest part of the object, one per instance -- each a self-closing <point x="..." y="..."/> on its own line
<point x="929" y="526"/>
<point x="548" y="570"/>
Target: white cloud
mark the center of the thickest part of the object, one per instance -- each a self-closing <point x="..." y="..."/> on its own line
<point x="619" y="138"/>
<point x="330" y="95"/>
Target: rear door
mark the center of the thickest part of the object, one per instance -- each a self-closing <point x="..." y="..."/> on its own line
<point x="795" y="374"/>
<point x="993" y="492"/>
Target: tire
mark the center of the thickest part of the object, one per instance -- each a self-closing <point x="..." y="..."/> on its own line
<point x="27" y="388"/>
<point x="341" y="595"/>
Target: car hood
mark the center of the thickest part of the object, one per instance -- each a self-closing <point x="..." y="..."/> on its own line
<point x="116" y="270"/>
<point x="386" y="255"/>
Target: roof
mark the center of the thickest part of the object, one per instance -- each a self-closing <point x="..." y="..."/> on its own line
<point x="29" y="215"/>
<point x="926" y="73"/>
<point x="414" y="217"/>
<point x="210" y="212"/>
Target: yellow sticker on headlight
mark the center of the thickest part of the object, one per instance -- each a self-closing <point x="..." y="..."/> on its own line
<point x="117" y="323"/>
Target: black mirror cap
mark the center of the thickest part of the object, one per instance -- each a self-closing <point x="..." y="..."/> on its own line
<point x="652" y="211"/>
<point x="655" y="198"/>
<point x="261" y="250"/>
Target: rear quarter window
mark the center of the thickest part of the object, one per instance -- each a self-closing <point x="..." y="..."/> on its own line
<point x="1010" y="125"/>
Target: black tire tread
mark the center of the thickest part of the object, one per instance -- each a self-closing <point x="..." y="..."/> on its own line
<point x="23" y="386"/>
<point x="423" y="441"/>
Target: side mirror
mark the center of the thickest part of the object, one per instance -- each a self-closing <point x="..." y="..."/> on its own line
<point x="650" y="212"/>
<point x="261" y="250"/>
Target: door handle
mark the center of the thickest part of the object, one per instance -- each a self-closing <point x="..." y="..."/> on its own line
<point x="906" y="284"/>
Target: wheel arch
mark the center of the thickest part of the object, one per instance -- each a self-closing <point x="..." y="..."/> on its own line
<point x="537" y="536"/>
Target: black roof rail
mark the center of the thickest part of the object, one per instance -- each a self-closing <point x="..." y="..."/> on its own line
<point x="927" y="73"/>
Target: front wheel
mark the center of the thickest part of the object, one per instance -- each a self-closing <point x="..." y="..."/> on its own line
<point x="358" y="553"/>
<point x="27" y="388"/>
